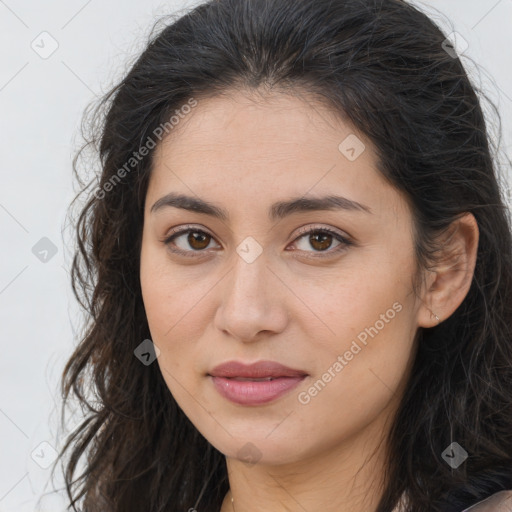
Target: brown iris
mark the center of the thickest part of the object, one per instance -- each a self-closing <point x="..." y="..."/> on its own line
<point x="321" y="244"/>
<point x="197" y="237"/>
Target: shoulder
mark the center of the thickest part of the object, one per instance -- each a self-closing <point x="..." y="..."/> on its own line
<point x="498" y="502"/>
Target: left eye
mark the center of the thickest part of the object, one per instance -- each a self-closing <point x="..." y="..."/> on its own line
<point x="318" y="238"/>
<point x="321" y="239"/>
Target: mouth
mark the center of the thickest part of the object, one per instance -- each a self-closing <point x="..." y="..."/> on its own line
<point x="253" y="379"/>
<point x="244" y="391"/>
<point x="254" y="384"/>
<point x="257" y="370"/>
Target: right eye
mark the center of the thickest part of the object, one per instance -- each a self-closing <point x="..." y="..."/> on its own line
<point x="195" y="238"/>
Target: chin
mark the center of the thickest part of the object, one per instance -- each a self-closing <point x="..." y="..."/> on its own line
<point x="258" y="448"/>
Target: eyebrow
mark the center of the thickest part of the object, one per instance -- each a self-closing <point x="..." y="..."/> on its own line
<point x="278" y="210"/>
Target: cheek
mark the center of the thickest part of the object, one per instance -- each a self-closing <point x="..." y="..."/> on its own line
<point x="175" y="310"/>
<point x="359" y="371"/>
<point x="369" y="313"/>
<point x="155" y="292"/>
<point x="367" y="290"/>
<point x="168" y="314"/>
<point x="168" y="297"/>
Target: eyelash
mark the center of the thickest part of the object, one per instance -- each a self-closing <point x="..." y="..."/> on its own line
<point x="344" y="242"/>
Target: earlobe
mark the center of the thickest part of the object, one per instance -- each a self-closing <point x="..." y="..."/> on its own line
<point x="452" y="273"/>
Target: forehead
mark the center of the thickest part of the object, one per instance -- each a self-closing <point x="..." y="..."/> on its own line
<point x="280" y="123"/>
<point x="253" y="149"/>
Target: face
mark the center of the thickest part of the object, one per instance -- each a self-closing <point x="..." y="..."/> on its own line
<point x="323" y="288"/>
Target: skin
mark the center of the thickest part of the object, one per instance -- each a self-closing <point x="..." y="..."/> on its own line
<point x="243" y="153"/>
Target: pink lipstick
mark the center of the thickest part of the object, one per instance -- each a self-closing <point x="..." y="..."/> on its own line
<point x="256" y="383"/>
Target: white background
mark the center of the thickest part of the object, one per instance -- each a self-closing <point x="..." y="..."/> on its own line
<point x="41" y="103"/>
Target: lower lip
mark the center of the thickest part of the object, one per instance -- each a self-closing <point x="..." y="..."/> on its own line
<point x="246" y="392"/>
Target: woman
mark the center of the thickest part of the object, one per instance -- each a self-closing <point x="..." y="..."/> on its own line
<point x="298" y="268"/>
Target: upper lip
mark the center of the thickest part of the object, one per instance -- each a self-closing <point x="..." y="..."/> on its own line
<point x="258" y="370"/>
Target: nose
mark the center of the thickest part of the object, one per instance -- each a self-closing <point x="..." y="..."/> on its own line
<point x="251" y="301"/>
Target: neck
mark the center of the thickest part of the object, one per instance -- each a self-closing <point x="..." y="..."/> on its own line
<point x="347" y="478"/>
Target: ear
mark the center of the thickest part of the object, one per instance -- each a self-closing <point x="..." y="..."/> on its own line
<point x="451" y="275"/>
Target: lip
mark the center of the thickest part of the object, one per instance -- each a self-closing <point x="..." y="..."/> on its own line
<point x="258" y="370"/>
<point x="226" y="377"/>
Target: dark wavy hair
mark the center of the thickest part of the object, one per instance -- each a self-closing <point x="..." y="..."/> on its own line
<point x="384" y="66"/>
